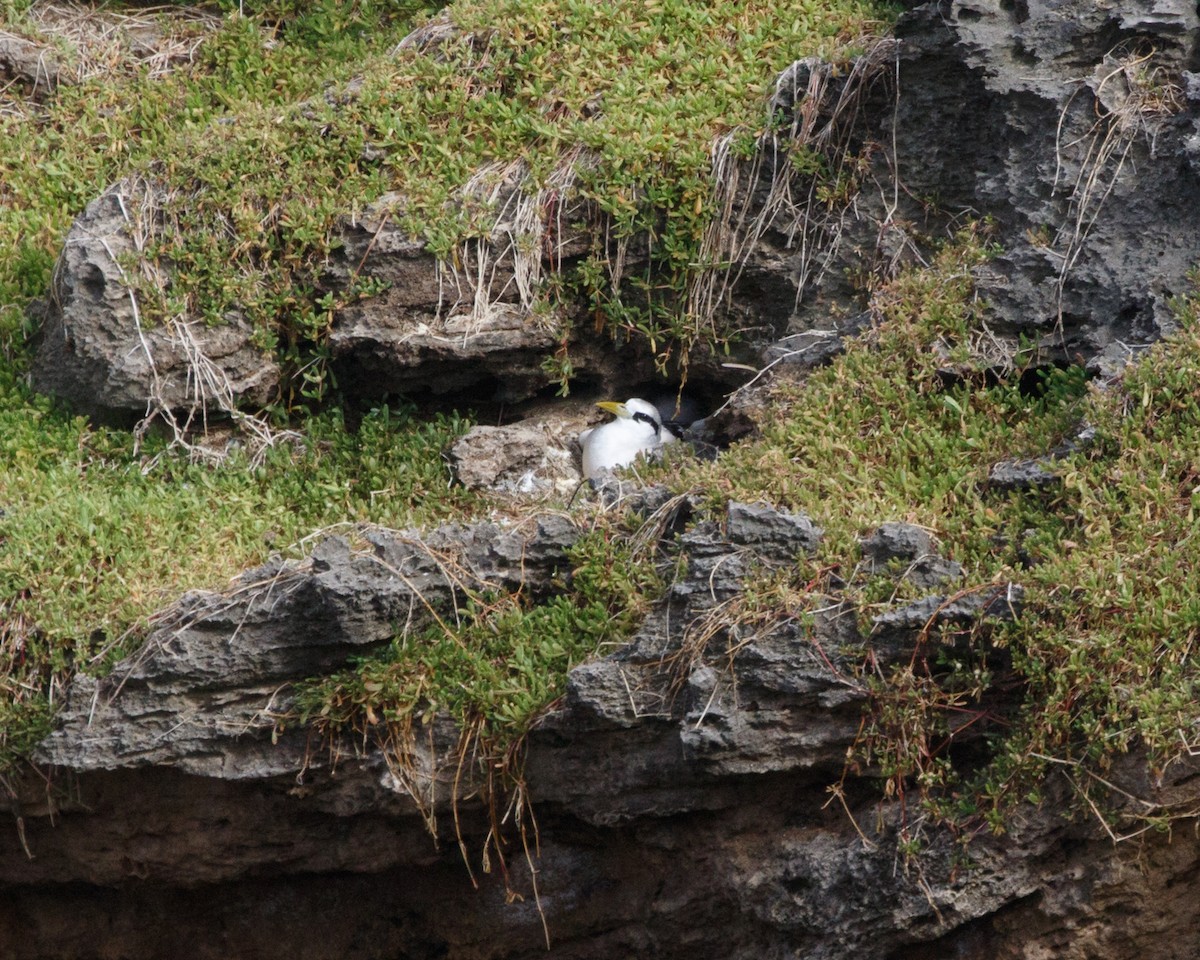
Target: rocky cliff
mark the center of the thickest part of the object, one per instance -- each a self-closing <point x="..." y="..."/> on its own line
<point x="690" y="791"/>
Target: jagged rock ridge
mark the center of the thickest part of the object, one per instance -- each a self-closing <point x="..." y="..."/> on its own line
<point x="682" y="787"/>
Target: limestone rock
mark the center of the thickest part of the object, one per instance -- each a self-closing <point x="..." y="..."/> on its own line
<point x="1009" y="475"/>
<point x="96" y="352"/>
<point x="1001" y="601"/>
<point x="896" y="541"/>
<point x="467" y="330"/>
<point x="34" y="66"/>
<point x="774" y="533"/>
<point x="203" y="694"/>
<point x="1004" y="108"/>
<point x="914" y="546"/>
<point x="682" y="788"/>
<point x="523" y="458"/>
<point x="1037" y="115"/>
<point x="815" y="346"/>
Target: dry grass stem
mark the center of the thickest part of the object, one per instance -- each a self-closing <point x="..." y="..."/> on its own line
<point x="1132" y="101"/>
<point x="108" y="41"/>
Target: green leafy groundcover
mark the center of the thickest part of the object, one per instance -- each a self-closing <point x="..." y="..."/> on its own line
<point x="906" y="425"/>
<point x="95" y="536"/>
<point x="1102" y="659"/>
<point x="260" y="124"/>
<point x="497" y="664"/>
<point x="96" y="530"/>
<point x="261" y="117"/>
<point x="630" y="95"/>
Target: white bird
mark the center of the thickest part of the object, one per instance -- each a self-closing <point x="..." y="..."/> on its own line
<point x="638" y="429"/>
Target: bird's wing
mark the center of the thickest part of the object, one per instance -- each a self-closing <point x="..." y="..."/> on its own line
<point x="672" y="430"/>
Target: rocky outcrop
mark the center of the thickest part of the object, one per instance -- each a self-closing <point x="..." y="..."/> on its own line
<point x="471" y="334"/>
<point x="911" y="547"/>
<point x="467" y="326"/>
<point x="96" y="352"/>
<point x="213" y="674"/>
<point x="690" y="789"/>
<point x="33" y="66"/>
<point x="1070" y="124"/>
<point x="1072" y="127"/>
<point x="533" y="457"/>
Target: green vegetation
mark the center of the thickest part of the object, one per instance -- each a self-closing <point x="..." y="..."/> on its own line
<point x="127" y="105"/>
<point x="96" y="536"/>
<point x="264" y="129"/>
<point x="1108" y="654"/>
<point x="905" y="426"/>
<point x="623" y="101"/>
<point x="496" y="667"/>
<point x="99" y="530"/>
<point x="879" y="435"/>
<point x="256" y="127"/>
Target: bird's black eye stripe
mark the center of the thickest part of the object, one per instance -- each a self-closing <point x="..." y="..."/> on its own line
<point x="646" y="418"/>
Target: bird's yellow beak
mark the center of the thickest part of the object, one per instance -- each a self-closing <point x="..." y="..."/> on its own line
<point x="611" y="406"/>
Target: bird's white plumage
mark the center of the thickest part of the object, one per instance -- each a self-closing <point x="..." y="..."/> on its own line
<point x="637" y="429"/>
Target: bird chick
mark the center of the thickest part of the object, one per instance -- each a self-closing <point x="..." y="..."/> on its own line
<point x="637" y="429"/>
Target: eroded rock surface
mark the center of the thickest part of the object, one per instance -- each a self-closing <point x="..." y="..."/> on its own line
<point x="467" y="330"/>
<point x="522" y="459"/>
<point x="34" y="66"/>
<point x="95" y="350"/>
<point x="1068" y="124"/>
<point x="1072" y="126"/>
<point x="682" y="787"/>
<point x="203" y="690"/>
